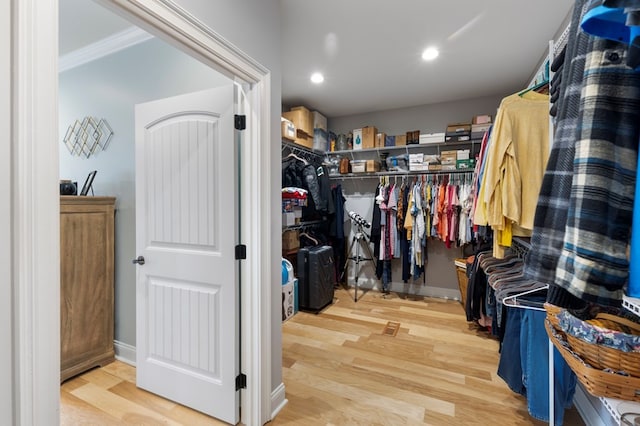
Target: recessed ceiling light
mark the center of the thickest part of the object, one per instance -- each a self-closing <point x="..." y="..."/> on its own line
<point x="317" y="78"/>
<point x="430" y="54"/>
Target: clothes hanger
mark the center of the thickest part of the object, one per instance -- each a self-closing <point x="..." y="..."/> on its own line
<point x="535" y="87"/>
<point x="304" y="234"/>
<point x="291" y="154"/>
<point x="513" y="302"/>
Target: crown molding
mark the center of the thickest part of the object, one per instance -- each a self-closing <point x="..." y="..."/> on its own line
<point x="106" y="46"/>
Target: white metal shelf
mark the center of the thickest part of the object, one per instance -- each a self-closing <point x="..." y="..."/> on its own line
<point x="612" y="407"/>
<point x="405" y="148"/>
<point x="366" y="175"/>
<point x="612" y="404"/>
<point x="632" y="304"/>
<point x="301" y="225"/>
<point x="302" y="150"/>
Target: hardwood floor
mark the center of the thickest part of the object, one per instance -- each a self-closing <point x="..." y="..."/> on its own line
<point x="109" y="396"/>
<point x="341" y="368"/>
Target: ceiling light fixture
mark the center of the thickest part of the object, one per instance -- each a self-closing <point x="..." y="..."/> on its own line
<point x="317" y="78"/>
<point x="430" y="54"/>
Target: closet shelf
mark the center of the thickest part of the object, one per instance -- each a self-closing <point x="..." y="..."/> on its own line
<point x="302" y="225"/>
<point x="632" y="304"/>
<point x="299" y="149"/>
<point x="612" y="404"/>
<point x="405" y="148"/>
<point x="398" y="173"/>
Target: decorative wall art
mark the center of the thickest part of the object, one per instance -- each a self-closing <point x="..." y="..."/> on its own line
<point x="87" y="137"/>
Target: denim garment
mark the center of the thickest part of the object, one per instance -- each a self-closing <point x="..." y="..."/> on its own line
<point x="386" y="274"/>
<point x="535" y="366"/>
<point x="510" y="366"/>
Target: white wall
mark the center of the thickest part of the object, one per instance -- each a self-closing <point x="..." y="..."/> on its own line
<point x="426" y="118"/>
<point x="254" y="27"/>
<point x="109" y="88"/>
<point x="6" y="256"/>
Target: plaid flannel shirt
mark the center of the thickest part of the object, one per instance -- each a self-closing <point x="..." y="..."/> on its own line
<point x="593" y="265"/>
<point x="553" y="200"/>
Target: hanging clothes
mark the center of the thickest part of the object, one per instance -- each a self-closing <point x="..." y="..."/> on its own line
<point x="555" y="192"/>
<point x="593" y="264"/>
<point x="336" y="230"/>
<point x="402" y="234"/>
<point x="517" y="153"/>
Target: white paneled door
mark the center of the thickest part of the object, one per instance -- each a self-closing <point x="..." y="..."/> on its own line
<point x="186" y="298"/>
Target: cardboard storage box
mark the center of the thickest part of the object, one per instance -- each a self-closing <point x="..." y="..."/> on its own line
<point x="369" y="137"/>
<point x="462" y="154"/>
<point x="290" y="240"/>
<point x="413" y="137"/>
<point x="357" y="138"/>
<point x="417" y="158"/>
<point x="431" y="138"/>
<point x="469" y="163"/>
<point x="481" y="119"/>
<point x="373" y="166"/>
<point x="458" y="128"/>
<point x="301" y="118"/>
<point x="288" y="129"/>
<point x="462" y="137"/>
<point x="303" y="139"/>
<point x="419" y="167"/>
<point x="401" y="140"/>
<point x="448" y="157"/>
<point x="380" y="139"/>
<point x="478" y="130"/>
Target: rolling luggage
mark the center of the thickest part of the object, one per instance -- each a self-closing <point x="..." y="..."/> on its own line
<point x="316" y="277"/>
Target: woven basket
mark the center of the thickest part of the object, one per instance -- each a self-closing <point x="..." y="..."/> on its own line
<point x="597" y="382"/>
<point x="602" y="357"/>
<point x="552" y="315"/>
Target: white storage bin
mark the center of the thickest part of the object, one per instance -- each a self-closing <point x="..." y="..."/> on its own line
<point x="358" y="166"/>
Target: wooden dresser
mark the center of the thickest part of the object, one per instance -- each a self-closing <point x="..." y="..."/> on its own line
<point x="86" y="283"/>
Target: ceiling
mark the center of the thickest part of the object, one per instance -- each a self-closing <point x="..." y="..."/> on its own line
<point x="370" y="50"/>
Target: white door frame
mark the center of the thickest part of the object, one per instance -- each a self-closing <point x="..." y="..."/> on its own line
<point x="33" y="264"/>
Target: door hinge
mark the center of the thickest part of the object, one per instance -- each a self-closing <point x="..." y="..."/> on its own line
<point x="241" y="252"/>
<point x="241" y="381"/>
<point x="240" y="122"/>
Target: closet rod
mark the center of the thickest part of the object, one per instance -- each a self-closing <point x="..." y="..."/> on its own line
<point x="302" y="225"/>
<point x="302" y="151"/>
<point x="407" y="173"/>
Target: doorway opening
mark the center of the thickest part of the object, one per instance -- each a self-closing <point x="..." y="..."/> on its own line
<point x="170" y="23"/>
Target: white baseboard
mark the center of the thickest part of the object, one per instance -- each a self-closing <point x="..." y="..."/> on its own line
<point x="417" y="289"/>
<point x="125" y="352"/>
<point x="278" y="400"/>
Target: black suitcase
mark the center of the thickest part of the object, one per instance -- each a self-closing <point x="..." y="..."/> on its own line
<point x="316" y="277"/>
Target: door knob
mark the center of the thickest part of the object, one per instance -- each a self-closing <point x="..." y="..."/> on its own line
<point x="139" y="260"/>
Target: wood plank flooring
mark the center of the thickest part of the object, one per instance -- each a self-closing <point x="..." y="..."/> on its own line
<point x="341" y="368"/>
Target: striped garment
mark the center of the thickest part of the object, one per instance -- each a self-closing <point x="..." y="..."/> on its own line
<point x="593" y="265"/>
<point x="553" y="200"/>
